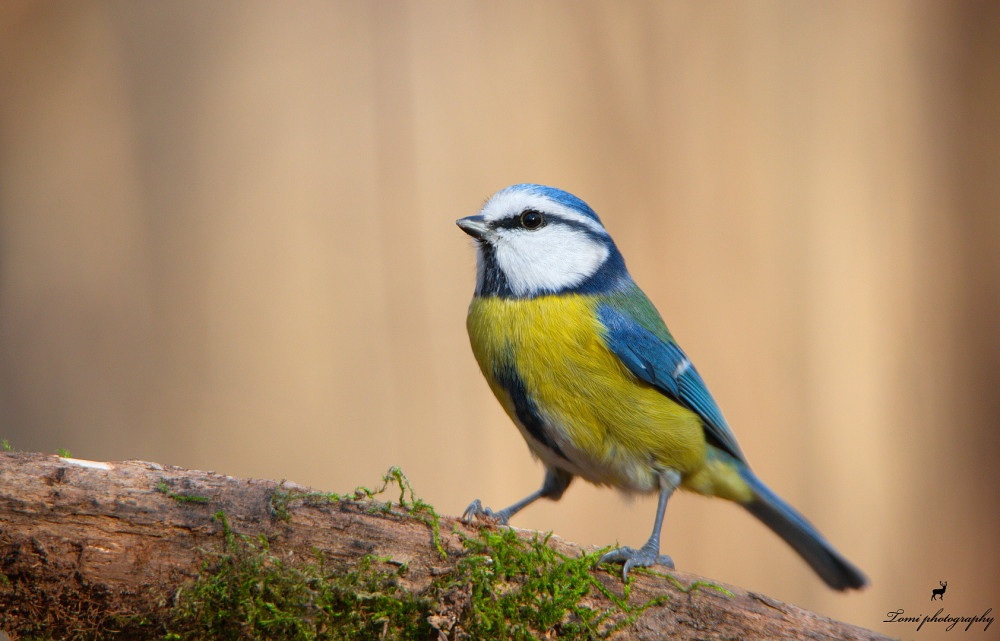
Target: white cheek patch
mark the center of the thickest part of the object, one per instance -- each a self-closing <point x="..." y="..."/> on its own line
<point x="552" y="259"/>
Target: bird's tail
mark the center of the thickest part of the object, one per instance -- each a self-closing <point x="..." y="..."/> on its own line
<point x="799" y="533"/>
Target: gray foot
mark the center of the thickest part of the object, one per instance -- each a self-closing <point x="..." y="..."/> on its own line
<point x="476" y="510"/>
<point x="644" y="557"/>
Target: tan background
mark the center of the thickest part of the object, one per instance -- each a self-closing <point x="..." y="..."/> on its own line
<point x="227" y="242"/>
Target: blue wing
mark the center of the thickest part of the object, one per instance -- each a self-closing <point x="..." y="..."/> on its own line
<point x="665" y="366"/>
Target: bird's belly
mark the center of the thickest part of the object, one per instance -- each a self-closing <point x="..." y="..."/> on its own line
<point x="607" y="426"/>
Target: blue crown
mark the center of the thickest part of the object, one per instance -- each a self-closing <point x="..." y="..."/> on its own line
<point x="558" y="195"/>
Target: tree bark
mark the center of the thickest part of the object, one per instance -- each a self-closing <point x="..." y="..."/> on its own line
<point x="82" y="543"/>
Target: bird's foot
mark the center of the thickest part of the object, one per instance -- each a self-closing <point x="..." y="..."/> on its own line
<point x="647" y="555"/>
<point x="476" y="510"/>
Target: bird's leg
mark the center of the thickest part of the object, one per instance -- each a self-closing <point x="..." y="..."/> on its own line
<point x="555" y="483"/>
<point x="649" y="553"/>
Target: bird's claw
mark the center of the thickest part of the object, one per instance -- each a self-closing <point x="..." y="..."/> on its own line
<point x="641" y="558"/>
<point x="476" y="510"/>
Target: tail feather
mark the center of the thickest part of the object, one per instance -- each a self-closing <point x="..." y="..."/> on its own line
<point x="799" y="533"/>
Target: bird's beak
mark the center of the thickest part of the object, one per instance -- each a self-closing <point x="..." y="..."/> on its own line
<point x="474" y="226"/>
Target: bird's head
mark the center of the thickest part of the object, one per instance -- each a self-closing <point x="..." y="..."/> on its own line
<point x="535" y="240"/>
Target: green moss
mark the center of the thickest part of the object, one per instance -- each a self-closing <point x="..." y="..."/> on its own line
<point x="63" y="452"/>
<point x="182" y="498"/>
<point x="694" y="587"/>
<point x="248" y="592"/>
<point x="5" y="446"/>
<point x="524" y="589"/>
<point x="408" y="501"/>
<point x="501" y="586"/>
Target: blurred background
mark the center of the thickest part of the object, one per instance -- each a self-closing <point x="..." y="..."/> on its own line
<point x="227" y="242"/>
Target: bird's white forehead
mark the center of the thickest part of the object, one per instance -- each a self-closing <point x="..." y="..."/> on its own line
<point x="508" y="203"/>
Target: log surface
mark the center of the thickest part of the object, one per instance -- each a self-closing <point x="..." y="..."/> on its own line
<point x="81" y="541"/>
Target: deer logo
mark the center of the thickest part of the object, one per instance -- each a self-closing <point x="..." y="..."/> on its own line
<point x="939" y="592"/>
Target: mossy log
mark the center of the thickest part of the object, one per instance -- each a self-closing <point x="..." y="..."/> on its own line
<point x="95" y="550"/>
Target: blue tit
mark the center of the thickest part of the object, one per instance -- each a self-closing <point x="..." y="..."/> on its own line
<point x="585" y="367"/>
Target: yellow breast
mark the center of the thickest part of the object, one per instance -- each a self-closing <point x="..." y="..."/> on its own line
<point x="614" y="428"/>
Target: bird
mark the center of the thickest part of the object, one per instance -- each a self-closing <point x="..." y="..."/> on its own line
<point x="585" y="367"/>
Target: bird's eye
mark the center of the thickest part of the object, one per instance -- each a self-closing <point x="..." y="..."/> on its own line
<point x="532" y="219"/>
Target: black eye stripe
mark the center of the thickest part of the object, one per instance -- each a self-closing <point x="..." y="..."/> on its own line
<point x="514" y="222"/>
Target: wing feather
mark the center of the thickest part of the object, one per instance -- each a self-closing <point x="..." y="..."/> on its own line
<point x="666" y="367"/>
